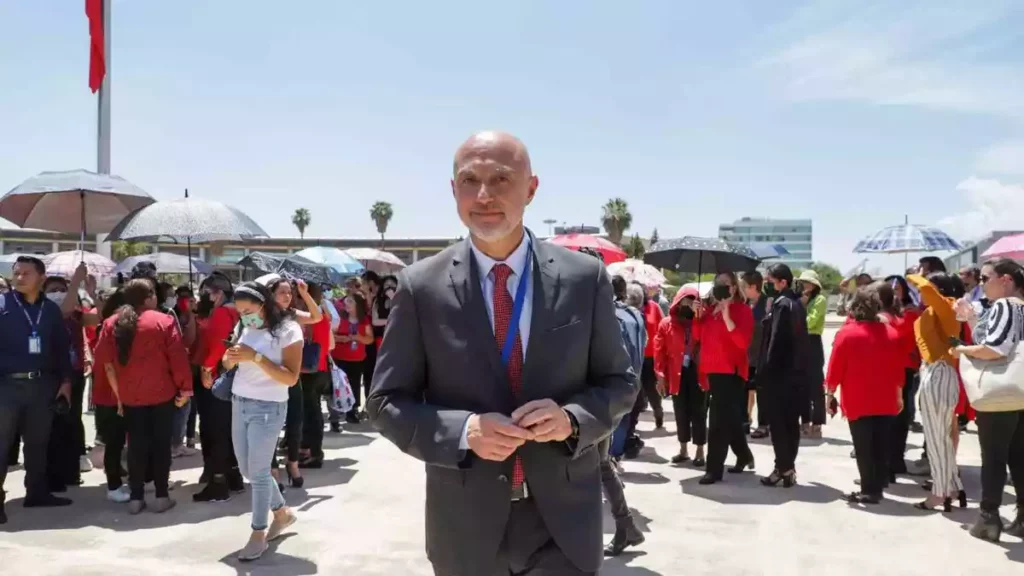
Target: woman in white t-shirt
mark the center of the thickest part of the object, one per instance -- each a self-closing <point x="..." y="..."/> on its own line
<point x="1000" y="434"/>
<point x="268" y="355"/>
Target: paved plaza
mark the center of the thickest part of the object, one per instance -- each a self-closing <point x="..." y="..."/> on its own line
<point x="363" y="515"/>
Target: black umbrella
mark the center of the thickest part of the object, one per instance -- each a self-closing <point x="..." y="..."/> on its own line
<point x="292" y="266"/>
<point x="698" y="255"/>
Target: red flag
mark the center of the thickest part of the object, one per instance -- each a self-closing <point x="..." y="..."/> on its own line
<point x="97" y="57"/>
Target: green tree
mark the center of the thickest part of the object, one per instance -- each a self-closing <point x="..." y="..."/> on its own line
<point x="635" y="248"/>
<point x="616" y="219"/>
<point x="654" y="237"/>
<point x="301" y="220"/>
<point x="122" y="249"/>
<point x="829" y="275"/>
<point x="381" y="213"/>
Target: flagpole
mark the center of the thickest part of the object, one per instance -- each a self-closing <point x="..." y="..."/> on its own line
<point x="103" y="100"/>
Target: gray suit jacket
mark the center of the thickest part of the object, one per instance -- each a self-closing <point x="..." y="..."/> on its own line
<point x="439" y="363"/>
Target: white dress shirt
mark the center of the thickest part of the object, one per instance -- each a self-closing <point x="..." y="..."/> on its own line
<point x="517" y="261"/>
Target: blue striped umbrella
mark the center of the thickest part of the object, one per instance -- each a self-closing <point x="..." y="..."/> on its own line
<point x="907" y="238"/>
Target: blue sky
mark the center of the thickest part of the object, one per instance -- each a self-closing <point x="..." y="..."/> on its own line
<point x="852" y="113"/>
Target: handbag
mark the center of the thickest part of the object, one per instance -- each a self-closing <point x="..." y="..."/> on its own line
<point x="310" y="357"/>
<point x="342" y="397"/>
<point x="221" y="388"/>
<point x="995" y="385"/>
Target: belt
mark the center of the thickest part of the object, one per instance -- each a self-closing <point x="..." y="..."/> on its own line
<point x="521" y="493"/>
<point x="24" y="375"/>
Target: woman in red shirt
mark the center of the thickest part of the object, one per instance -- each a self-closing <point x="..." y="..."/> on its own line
<point x="648" y="379"/>
<point x="675" y="365"/>
<point x="726" y="327"/>
<point x="146" y="365"/>
<point x="110" y="426"/>
<point x="899" y="311"/>
<point x="867" y="364"/>
<point x="354" y="334"/>
<point x="315" y="380"/>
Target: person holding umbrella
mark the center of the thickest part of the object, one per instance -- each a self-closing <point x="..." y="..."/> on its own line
<point x="726" y="327"/>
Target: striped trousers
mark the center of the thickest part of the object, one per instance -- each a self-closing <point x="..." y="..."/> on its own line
<point x="940" y="391"/>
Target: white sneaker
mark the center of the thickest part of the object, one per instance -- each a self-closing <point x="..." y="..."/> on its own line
<point x="84" y="464"/>
<point x="121" y="495"/>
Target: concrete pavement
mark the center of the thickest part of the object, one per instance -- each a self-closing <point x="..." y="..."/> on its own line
<point x="363" y="515"/>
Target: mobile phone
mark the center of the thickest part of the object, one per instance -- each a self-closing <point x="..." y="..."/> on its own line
<point x="954" y="342"/>
<point x="229" y="342"/>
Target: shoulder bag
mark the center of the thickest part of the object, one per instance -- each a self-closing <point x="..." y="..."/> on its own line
<point x="995" y="385"/>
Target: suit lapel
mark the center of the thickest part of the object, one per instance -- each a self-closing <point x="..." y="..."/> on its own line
<point x="546" y="286"/>
<point x="465" y="279"/>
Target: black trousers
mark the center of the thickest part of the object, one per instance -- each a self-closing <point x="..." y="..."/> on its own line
<point x="784" y="403"/>
<point x="113" y="430"/>
<point x="728" y="410"/>
<point x="901" y="426"/>
<point x="354" y="371"/>
<point x="67" y="440"/>
<point x="649" y="384"/>
<point x="369" y="365"/>
<point x="26" y="404"/>
<point x="314" y="386"/>
<point x="1001" y="435"/>
<point x="294" y="421"/>
<point x="691" y="409"/>
<point x="528" y="548"/>
<point x="149" y="447"/>
<point x="872" y="446"/>
<point x="215" y="433"/>
<point x="814" y="385"/>
<point x="612" y="486"/>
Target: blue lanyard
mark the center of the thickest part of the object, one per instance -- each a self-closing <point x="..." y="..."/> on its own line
<point x="39" y="316"/>
<point x="517" y="308"/>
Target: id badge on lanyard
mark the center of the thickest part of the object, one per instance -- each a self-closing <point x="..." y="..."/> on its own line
<point x="35" y="343"/>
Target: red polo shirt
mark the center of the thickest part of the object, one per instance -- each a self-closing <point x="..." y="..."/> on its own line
<point x="157" y="368"/>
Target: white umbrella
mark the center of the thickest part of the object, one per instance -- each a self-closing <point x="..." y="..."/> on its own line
<point x="166" y="263"/>
<point x="638" y="271"/>
<point x="65" y="263"/>
<point x="377" y="260"/>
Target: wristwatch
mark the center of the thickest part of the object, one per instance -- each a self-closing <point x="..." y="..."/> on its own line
<point x="257" y="358"/>
<point x="575" y="435"/>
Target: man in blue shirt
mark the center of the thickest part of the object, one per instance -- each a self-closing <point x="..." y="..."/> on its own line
<point x="35" y="377"/>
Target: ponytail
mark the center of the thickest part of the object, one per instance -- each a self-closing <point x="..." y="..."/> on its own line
<point x="136" y="293"/>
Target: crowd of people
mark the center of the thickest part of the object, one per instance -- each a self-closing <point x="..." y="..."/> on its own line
<point x="156" y="356"/>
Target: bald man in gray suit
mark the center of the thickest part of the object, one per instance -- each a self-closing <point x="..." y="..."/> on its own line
<point x="502" y="368"/>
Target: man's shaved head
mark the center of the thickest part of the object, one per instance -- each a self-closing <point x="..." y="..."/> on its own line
<point x="493" y="183"/>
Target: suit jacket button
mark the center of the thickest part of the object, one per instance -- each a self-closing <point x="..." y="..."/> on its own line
<point x="503" y="478"/>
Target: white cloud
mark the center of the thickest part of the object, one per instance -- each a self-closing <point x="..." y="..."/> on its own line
<point x="918" y="53"/>
<point x="1002" y="158"/>
<point x="991" y="205"/>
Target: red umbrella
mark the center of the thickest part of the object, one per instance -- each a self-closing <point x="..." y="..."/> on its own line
<point x="609" y="251"/>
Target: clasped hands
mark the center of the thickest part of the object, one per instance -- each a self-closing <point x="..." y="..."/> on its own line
<point x="495" y="436"/>
<point x="240" y="353"/>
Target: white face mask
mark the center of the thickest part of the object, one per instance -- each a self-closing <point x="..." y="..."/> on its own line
<point x="56" y="297"/>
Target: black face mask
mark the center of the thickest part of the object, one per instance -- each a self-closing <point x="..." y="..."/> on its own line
<point x="685" y="313"/>
<point x="205" y="305"/>
<point x="721" y="292"/>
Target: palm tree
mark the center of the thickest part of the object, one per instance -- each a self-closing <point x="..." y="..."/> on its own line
<point x="301" y="219"/>
<point x="122" y="249"/>
<point x="381" y="212"/>
<point x="616" y="219"/>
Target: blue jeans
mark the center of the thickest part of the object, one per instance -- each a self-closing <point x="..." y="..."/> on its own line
<point x="180" y="423"/>
<point x="255" y="426"/>
<point x="618" y="446"/>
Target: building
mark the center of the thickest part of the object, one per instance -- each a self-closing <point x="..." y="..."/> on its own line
<point x="796" y="236"/>
<point x="971" y="254"/>
<point x="223" y="256"/>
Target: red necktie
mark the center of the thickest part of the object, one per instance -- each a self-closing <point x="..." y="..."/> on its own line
<point x="502" y="318"/>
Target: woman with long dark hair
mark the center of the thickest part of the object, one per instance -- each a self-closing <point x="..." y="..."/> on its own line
<point x="353" y="336"/>
<point x="110" y="425"/>
<point x="146" y="365"/>
<point x="1001" y="434"/>
<point x="316" y="380"/>
<point x="726" y="328"/>
<point x="900" y="311"/>
<point x="268" y="356"/>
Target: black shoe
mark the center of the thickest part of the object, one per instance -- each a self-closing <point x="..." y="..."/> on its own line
<point x="295" y="481"/>
<point x="335" y="427"/>
<point x="988" y="527"/>
<point x="947" y="505"/>
<point x="742" y="465"/>
<point x="625" y="536"/>
<point x="926" y="485"/>
<point x="235" y="482"/>
<point x="352" y="417"/>
<point x="215" y="491"/>
<point x="311" y="462"/>
<point x="633" y="449"/>
<point x="916" y="427"/>
<point x="961" y="496"/>
<point x="709" y="479"/>
<point x="759" y="432"/>
<point x="659" y="424"/>
<point x="3" y="513"/>
<point x="680" y="458"/>
<point x="45" y="501"/>
<point x="698" y="462"/>
<point x="862" y="498"/>
<point x="1016" y="528"/>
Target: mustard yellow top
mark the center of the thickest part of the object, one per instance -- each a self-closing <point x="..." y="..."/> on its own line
<point x="937" y="323"/>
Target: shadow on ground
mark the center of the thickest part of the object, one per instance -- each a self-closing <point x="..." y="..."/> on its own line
<point x="272" y="562"/>
<point x="747" y="489"/>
